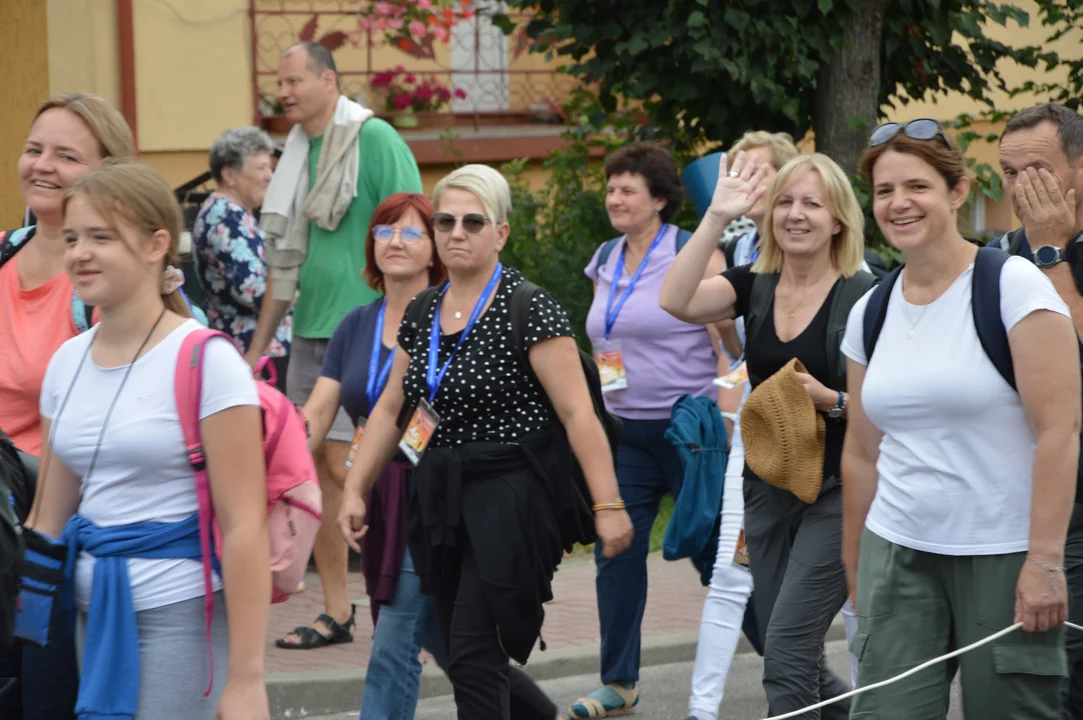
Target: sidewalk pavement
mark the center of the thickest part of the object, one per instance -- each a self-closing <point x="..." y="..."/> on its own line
<point x="303" y="683"/>
<point x="330" y="679"/>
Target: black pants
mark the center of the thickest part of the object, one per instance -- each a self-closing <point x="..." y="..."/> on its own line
<point x="1073" y="639"/>
<point x="486" y="687"/>
<point x="46" y="679"/>
<point x="795" y="554"/>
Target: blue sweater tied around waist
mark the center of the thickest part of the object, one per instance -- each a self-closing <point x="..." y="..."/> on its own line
<point x="109" y="686"/>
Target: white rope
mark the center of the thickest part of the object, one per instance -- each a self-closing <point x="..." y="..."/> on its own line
<point x="910" y="672"/>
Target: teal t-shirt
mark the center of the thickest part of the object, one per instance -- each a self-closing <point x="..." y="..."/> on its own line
<point x="330" y="281"/>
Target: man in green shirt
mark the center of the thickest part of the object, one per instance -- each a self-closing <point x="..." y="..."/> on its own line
<point x="316" y="249"/>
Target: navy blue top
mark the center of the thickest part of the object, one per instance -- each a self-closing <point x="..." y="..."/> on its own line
<point x="347" y="359"/>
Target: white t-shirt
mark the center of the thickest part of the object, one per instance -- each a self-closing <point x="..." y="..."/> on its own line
<point x="955" y="462"/>
<point x="142" y="472"/>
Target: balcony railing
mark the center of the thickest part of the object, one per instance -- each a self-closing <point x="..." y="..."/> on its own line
<point x="503" y="83"/>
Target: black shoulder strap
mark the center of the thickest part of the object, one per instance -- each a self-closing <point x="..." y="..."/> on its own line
<point x="759" y="303"/>
<point x="850" y="290"/>
<point x="519" y="312"/>
<point x="985" y="302"/>
<point x="876" y="311"/>
<point x="607" y="250"/>
<point x="729" y="249"/>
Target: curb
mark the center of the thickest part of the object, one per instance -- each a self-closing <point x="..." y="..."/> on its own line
<point x="302" y="694"/>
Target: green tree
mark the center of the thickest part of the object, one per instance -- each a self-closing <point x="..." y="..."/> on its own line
<point x="707" y="70"/>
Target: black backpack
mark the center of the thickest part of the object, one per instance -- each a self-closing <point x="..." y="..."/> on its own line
<point x="16" y="495"/>
<point x="519" y="312"/>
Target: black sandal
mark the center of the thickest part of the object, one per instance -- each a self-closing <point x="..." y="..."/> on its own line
<point x="310" y="638"/>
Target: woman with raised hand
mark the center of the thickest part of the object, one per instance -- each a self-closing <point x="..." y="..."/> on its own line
<point x="961" y="453"/>
<point x="489" y="425"/>
<point x="117" y="485"/>
<point x="794" y="300"/>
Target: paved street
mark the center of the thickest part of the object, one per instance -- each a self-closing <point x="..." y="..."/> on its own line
<point x="674" y="605"/>
<point x="665" y="692"/>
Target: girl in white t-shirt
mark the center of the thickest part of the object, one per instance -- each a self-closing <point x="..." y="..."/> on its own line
<point x="957" y="488"/>
<point x="117" y="483"/>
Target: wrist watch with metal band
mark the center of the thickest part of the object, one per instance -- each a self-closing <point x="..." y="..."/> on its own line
<point x="1048" y="255"/>
<point x="839" y="409"/>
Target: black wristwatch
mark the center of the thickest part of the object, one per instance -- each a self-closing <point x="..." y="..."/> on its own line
<point x="837" y="411"/>
<point x="1048" y="255"/>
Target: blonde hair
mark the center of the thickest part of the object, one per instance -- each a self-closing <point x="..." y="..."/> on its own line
<point x="487" y="184"/>
<point x="848" y="246"/>
<point x="106" y="123"/>
<point x="145" y="199"/>
<point x="780" y="144"/>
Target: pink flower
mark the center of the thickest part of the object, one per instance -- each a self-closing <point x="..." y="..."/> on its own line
<point x="401" y="101"/>
<point x="395" y="24"/>
<point x="400" y="68"/>
<point x="417" y="28"/>
<point x="382" y="8"/>
<point x="411" y="79"/>
<point x="440" y="34"/>
<point x="443" y="93"/>
<point x="424" y="93"/>
<point x="381" y="24"/>
<point x="460" y="93"/>
<point x="424" y="4"/>
<point x="381" y="80"/>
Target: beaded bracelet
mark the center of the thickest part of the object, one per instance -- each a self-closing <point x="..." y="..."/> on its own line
<point x="619" y="505"/>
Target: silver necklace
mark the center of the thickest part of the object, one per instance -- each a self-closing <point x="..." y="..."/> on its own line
<point x="914" y="321"/>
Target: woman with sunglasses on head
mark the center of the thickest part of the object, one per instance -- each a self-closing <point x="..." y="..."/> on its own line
<point x="487" y="520"/>
<point x="401" y="261"/>
<point x="116" y="478"/>
<point x="955" y="527"/>
<point x="794" y="300"/>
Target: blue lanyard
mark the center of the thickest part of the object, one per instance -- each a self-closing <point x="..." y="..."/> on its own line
<point x="433" y="377"/>
<point x="378" y="380"/>
<point x="612" y="312"/>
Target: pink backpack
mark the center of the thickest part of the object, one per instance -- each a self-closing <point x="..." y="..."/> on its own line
<point x="293" y="490"/>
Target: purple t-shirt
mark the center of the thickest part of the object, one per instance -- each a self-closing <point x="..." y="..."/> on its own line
<point x="664" y="358"/>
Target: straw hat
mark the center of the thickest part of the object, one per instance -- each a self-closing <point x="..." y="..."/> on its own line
<point x="784" y="435"/>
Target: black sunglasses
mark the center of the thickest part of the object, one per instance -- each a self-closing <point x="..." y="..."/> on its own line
<point x="920" y="129"/>
<point x="472" y="222"/>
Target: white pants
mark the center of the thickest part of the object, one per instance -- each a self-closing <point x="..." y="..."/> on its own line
<point x="724" y="608"/>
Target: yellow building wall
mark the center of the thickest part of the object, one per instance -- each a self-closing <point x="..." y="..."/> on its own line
<point x="24" y="65"/>
<point x="83" y="53"/>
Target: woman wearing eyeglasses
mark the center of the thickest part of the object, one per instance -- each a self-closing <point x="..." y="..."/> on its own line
<point x="481" y="421"/>
<point x="401" y="261"/>
<point x="958" y="488"/>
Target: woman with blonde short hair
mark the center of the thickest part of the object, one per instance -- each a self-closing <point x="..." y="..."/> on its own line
<point x="795" y="300"/>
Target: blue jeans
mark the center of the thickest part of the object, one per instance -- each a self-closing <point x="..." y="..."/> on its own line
<point x="648" y="467"/>
<point x="404" y="627"/>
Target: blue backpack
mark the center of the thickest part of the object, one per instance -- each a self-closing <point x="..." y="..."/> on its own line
<point x="985" y="301"/>
<point x="683" y="236"/>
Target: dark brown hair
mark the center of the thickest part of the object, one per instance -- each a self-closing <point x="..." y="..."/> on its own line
<point x="656" y="166"/>
<point x="388" y="212"/>
<point x="949" y="162"/>
<point x="1069" y="126"/>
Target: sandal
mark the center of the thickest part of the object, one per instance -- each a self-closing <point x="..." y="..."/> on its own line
<point x="310" y="638"/>
<point x="607" y="701"/>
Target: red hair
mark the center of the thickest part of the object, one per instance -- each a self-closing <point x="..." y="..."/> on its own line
<point x="388" y="213"/>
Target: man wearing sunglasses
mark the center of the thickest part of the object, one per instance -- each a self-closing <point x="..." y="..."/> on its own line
<point x="1041" y="155"/>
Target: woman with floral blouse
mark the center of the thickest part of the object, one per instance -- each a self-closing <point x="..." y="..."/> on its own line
<point x="228" y="243"/>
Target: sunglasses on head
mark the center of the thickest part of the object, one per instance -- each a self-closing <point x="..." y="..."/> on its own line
<point x="472" y="222"/>
<point x="409" y="234"/>
<point x="920" y="129"/>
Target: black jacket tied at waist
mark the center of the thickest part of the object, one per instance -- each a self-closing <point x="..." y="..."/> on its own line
<point x="509" y="500"/>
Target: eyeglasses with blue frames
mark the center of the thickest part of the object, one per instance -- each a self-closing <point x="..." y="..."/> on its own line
<point x="409" y="234"/>
<point x="472" y="222"/>
<point x="920" y="129"/>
